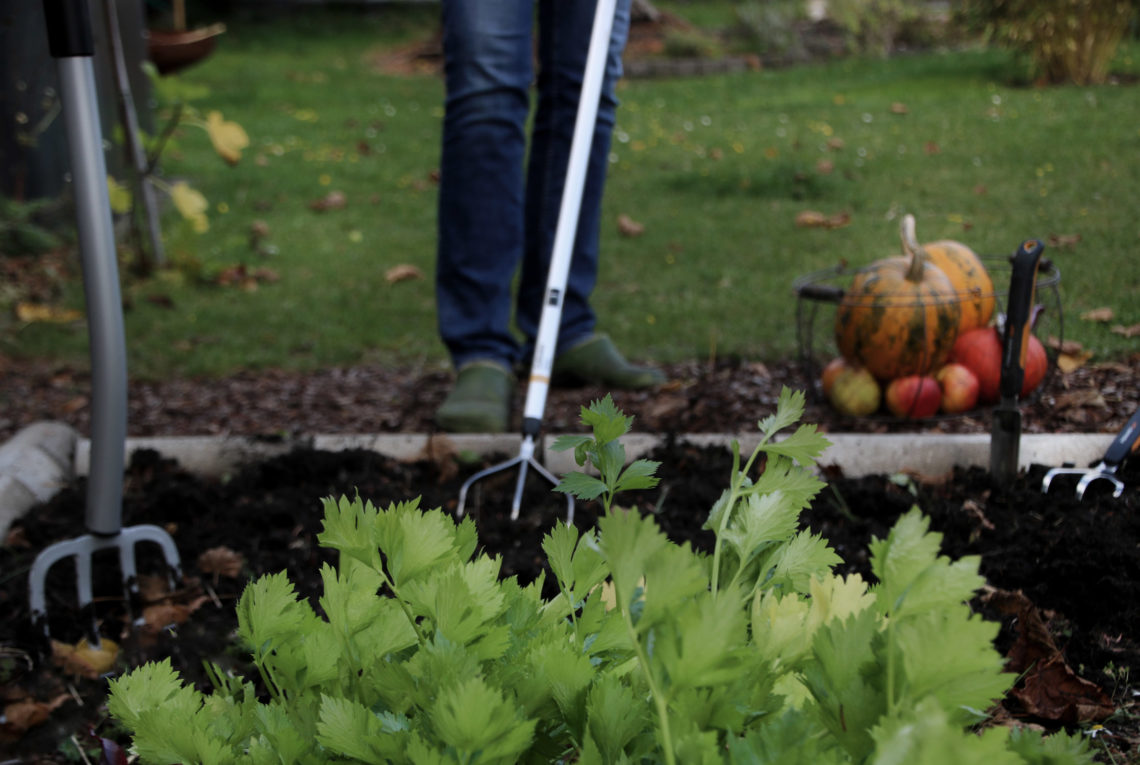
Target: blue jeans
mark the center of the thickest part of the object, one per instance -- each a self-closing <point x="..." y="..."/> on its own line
<point x="497" y="207"/>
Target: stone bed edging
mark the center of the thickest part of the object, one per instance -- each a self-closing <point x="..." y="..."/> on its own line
<point x="43" y="457"/>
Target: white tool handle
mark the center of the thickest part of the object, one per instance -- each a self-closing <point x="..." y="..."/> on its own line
<point x="567" y="228"/>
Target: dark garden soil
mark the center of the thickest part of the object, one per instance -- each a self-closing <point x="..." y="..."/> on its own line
<point x="1051" y="561"/>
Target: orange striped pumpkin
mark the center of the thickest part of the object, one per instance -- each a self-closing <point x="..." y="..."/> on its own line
<point x="971" y="280"/>
<point x="900" y="316"/>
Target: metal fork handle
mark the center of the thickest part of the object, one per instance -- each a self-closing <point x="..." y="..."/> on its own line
<point x="69" y="37"/>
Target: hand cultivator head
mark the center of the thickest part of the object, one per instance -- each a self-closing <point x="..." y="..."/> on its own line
<point x="524" y="460"/>
<point x="82" y="548"/>
<point x="1126" y="442"/>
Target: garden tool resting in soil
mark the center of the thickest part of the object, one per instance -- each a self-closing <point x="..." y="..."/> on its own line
<point x="1126" y="442"/>
<point x="1005" y="433"/>
<point x="547" y="340"/>
<point x="71" y="43"/>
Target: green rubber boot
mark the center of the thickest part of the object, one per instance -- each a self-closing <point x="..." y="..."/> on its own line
<point x="597" y="361"/>
<point x="480" y="401"/>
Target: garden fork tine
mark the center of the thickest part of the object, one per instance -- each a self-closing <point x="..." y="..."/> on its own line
<point x="70" y="42"/>
<point x="545" y="343"/>
<point x="1126" y="442"/>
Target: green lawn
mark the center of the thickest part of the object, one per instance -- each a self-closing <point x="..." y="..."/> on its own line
<point x="715" y="168"/>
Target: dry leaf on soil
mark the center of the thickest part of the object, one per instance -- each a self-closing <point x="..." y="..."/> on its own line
<point x="1085" y="397"/>
<point x="158" y="617"/>
<point x="27" y="713"/>
<point x="1098" y="314"/>
<point x="816" y="219"/>
<point x="83" y="659"/>
<point x="221" y="561"/>
<point x="627" y="226"/>
<point x="1070" y="362"/>
<point x="441" y="451"/>
<point x="1049" y="688"/>
<point x="402" y="273"/>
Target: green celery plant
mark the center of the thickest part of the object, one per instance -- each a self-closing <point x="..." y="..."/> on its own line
<point x="650" y="651"/>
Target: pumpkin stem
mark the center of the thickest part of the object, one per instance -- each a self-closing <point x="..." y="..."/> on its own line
<point x="912" y="249"/>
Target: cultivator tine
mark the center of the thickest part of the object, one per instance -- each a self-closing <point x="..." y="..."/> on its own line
<point x="1088" y="475"/>
<point x="525" y="459"/>
<point x="81" y="549"/>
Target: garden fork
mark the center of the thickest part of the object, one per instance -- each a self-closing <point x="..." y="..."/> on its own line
<point x="545" y="343"/>
<point x="70" y="42"/>
<point x="1126" y="442"/>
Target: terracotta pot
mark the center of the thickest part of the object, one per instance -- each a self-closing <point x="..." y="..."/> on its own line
<point x="171" y="50"/>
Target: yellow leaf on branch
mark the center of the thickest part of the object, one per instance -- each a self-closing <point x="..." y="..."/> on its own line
<point x="228" y="137"/>
<point x="42" y="312"/>
<point x="120" y="196"/>
<point x="191" y="205"/>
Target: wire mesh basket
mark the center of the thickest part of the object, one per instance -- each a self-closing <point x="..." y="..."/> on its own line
<point x="820" y="294"/>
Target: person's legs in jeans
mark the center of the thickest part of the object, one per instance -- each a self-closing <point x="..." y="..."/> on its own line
<point x="564" y="37"/>
<point x="488" y="71"/>
<point x="482" y="205"/>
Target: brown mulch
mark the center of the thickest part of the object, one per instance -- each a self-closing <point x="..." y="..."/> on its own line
<point x="726" y="397"/>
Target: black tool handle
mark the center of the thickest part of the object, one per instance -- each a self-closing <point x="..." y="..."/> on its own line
<point x="69" y="28"/>
<point x="1015" y="343"/>
<point x="1126" y="442"/>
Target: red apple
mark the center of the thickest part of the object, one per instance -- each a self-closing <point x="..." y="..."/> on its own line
<point x="913" y="396"/>
<point x="830" y="372"/>
<point x="980" y="351"/>
<point x="1036" y="365"/>
<point x="959" y="388"/>
<point x="853" y="390"/>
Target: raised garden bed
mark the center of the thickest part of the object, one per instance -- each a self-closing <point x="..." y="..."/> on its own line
<point x="1075" y="562"/>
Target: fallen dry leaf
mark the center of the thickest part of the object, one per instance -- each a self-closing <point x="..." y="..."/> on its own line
<point x="221" y="561"/>
<point x="440" y="451"/>
<point x="334" y="200"/>
<point x="1061" y="241"/>
<point x="44" y="313"/>
<point x="825" y="167"/>
<point x="1071" y="347"/>
<point x="816" y="219"/>
<point x="158" y="617"/>
<point x="402" y="273"/>
<point x="1070" y="362"/>
<point x="1129" y="332"/>
<point x="931" y="148"/>
<point x="981" y="190"/>
<point x="1084" y="397"/>
<point x="899" y="108"/>
<point x="627" y="226"/>
<point x="153" y="588"/>
<point x="835" y="144"/>
<point x="26" y="713"/>
<point x="1098" y="314"/>
<point x="1049" y="689"/>
<point x="83" y="659"/>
